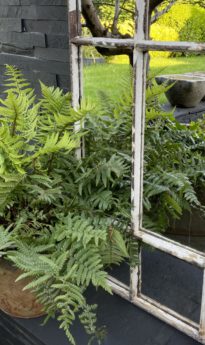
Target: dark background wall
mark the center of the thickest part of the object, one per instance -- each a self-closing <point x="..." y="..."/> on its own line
<point x="34" y="37"/>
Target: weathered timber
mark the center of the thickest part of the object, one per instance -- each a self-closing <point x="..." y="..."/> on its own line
<point x="103" y="42"/>
<point x="74" y="29"/>
<point x="141" y="44"/>
<point x="170" y="46"/>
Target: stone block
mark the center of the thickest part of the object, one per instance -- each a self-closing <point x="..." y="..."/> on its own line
<point x="45" y="26"/>
<point x="34" y="78"/>
<point x="23" y="40"/>
<point x="57" y="41"/>
<point x="51" y="13"/>
<point x="34" y="37"/>
<point x="40" y="2"/>
<point x="31" y="63"/>
<point x="63" y="81"/>
<point x="10" y="24"/>
<point x="15" y="50"/>
<point x="34" y="12"/>
<point x="47" y="78"/>
<point x="52" y="54"/>
<point x="10" y="12"/>
<point x="10" y="2"/>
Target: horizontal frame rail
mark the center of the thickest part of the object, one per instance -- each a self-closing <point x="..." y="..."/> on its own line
<point x="156" y="309"/>
<point x="173" y="248"/>
<point x="202" y="318"/>
<point x="119" y="288"/>
<point x="103" y="42"/>
<point x="169" y="316"/>
<point x="170" y="46"/>
<point x="144" y="45"/>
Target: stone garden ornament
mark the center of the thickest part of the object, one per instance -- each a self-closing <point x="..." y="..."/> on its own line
<point x="186" y="90"/>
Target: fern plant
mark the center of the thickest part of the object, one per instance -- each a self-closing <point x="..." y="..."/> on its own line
<point x="54" y="227"/>
<point x="63" y="220"/>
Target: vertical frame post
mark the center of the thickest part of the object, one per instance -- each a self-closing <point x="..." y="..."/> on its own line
<point x="74" y="29"/>
<point x="140" y="73"/>
<point x="202" y="318"/>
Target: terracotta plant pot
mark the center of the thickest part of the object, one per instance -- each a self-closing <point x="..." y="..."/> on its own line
<point x="13" y="300"/>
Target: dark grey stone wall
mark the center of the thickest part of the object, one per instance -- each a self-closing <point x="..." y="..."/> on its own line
<point x="34" y="37"/>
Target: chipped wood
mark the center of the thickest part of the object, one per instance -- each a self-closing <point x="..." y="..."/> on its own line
<point x="169" y="316"/>
<point x="173" y="248"/>
<point x="103" y="42"/>
<point x="74" y="29"/>
<point x="119" y="290"/>
<point x="156" y="309"/>
<point x="140" y="72"/>
<point x="170" y="46"/>
<point x="73" y="24"/>
<point x="202" y="317"/>
<point x="144" y="45"/>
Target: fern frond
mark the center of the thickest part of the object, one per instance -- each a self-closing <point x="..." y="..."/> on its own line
<point x="6" y="240"/>
<point x="16" y="83"/>
<point x="79" y="229"/>
<point x="8" y="184"/>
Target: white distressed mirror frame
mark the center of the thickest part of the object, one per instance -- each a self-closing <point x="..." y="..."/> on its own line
<point x="141" y="45"/>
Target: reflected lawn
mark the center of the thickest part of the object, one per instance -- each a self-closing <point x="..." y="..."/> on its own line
<point x="109" y="77"/>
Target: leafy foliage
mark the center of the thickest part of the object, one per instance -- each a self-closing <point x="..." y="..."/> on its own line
<point x="173" y="158"/>
<point x="187" y="18"/>
<point x="5" y="240"/>
<point x="65" y="220"/>
<point x="54" y="225"/>
<point x="173" y="185"/>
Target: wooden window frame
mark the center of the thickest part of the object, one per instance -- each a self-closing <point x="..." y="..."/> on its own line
<point x="141" y="46"/>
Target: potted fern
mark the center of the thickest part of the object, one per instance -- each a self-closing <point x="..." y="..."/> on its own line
<point x="54" y="231"/>
<point x="63" y="221"/>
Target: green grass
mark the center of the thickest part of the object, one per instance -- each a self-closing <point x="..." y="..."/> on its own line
<point x="109" y="77"/>
<point x="105" y="77"/>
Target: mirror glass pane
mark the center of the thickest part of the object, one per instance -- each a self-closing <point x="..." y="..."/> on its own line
<point x="174" y="160"/>
<point x="172" y="282"/>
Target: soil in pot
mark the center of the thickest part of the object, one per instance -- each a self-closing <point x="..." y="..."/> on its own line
<point x="13" y="300"/>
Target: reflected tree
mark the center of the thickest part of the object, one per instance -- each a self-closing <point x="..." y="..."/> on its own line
<point x="108" y="18"/>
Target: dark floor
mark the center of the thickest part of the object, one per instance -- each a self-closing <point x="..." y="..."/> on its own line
<point x="167" y="279"/>
<point x="186" y="115"/>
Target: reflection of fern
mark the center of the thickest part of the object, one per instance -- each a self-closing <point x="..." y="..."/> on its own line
<point x="173" y="171"/>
